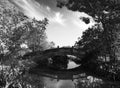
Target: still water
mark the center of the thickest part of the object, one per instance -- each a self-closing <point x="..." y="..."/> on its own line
<point x="54" y="83"/>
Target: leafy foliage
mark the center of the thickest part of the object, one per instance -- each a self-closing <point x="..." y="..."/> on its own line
<point x="103" y="38"/>
<point x="15" y="31"/>
<point x="18" y="35"/>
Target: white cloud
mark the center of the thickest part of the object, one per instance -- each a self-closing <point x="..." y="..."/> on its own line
<point x="78" y="22"/>
<point x="58" y="18"/>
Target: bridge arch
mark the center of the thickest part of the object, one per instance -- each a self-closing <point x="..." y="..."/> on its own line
<point x="41" y="55"/>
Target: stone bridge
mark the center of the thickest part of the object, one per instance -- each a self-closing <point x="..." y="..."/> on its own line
<point x="41" y="55"/>
<point x="43" y="68"/>
<point x="87" y="64"/>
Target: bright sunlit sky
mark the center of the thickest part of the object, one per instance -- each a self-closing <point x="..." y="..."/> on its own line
<point x="64" y="26"/>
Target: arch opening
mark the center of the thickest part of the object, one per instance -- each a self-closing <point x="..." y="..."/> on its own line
<point x="64" y="62"/>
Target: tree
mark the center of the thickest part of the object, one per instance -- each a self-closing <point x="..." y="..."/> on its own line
<point x="105" y="12"/>
<point x="17" y="29"/>
<point x="103" y="38"/>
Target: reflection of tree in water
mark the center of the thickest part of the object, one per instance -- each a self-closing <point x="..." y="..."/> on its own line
<point x="60" y="62"/>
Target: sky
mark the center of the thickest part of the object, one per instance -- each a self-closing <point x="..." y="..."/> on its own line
<point x="64" y="26"/>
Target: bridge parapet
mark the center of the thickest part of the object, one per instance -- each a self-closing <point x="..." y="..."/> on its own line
<point x="63" y="51"/>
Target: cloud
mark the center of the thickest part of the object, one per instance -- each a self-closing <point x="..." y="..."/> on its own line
<point x="78" y="22"/>
<point x="39" y="11"/>
<point x="29" y="8"/>
<point x="58" y="18"/>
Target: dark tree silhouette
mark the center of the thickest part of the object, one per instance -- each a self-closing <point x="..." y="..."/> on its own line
<point x="60" y="62"/>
